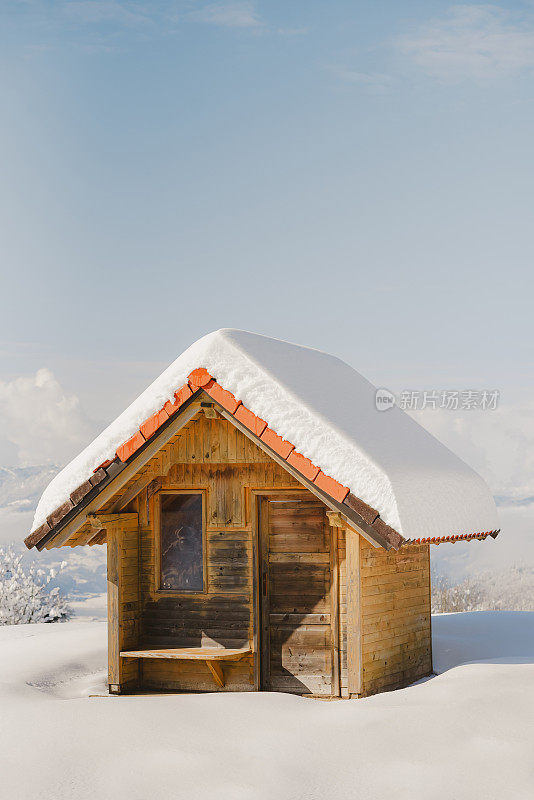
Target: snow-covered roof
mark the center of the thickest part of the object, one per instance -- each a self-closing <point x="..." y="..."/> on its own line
<point x="327" y="411"/>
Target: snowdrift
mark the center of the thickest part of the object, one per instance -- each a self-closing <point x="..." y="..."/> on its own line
<point x="466" y="733"/>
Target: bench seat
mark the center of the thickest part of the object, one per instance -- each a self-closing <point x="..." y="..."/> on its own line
<point x="210" y="655"/>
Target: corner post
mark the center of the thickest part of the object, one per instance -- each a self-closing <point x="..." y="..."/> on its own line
<point x="334" y="603"/>
<point x="114" y="681"/>
<point x="354" y="626"/>
<point x="123" y="599"/>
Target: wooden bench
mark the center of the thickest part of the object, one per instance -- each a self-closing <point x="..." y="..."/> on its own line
<point x="211" y="655"/>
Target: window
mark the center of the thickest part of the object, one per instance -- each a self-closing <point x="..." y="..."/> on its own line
<point x="181" y="543"/>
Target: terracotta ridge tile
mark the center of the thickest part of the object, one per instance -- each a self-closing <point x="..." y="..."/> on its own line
<point x="153" y="423"/>
<point x="180" y="397"/>
<point x="332" y="487"/>
<point x="303" y="465"/>
<point x="126" y="450"/>
<point x="250" y="420"/>
<point x="276" y="443"/>
<point x="200" y="378"/>
<point x="225" y="398"/>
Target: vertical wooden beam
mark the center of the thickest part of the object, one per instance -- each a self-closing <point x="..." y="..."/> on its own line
<point x="334" y="610"/>
<point x="354" y="633"/>
<point x="256" y="579"/>
<point x="113" y="611"/>
<point x="265" y="652"/>
<point x="123" y="607"/>
<point x="430" y="608"/>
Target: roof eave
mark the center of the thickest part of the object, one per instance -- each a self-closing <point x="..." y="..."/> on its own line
<point x="455" y="537"/>
<point x="112" y="479"/>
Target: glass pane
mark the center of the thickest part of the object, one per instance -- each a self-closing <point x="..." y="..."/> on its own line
<point x="182" y="566"/>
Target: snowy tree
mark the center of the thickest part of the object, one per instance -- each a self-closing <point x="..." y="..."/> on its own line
<point x="511" y="589"/>
<point x="448" y="597"/>
<point x="25" y="595"/>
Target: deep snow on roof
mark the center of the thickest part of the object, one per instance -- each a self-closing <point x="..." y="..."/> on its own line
<point x="327" y="411"/>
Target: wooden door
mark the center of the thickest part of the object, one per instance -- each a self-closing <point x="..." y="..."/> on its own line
<point x="296" y="642"/>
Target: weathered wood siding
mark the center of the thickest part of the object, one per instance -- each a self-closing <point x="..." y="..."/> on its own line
<point x="342" y="573"/>
<point x="212" y="455"/>
<point x="298" y="621"/>
<point x="375" y="622"/>
<point x="222" y="616"/>
<point x="123" y="608"/>
<point x="396" y="644"/>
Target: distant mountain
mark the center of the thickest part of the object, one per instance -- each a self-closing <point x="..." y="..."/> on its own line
<point x="507" y="500"/>
<point x="21" y="487"/>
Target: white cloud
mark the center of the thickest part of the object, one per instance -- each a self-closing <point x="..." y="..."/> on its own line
<point x="40" y="422"/>
<point x="480" y="42"/>
<point x="230" y="15"/>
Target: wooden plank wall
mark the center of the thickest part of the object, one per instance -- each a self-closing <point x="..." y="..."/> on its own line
<point x="298" y="650"/>
<point x="209" y="454"/>
<point x="396" y="646"/>
<point x="222" y="616"/>
<point x="342" y="577"/>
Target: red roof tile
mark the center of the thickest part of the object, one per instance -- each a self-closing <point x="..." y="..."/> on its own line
<point x="276" y="443"/>
<point x="154" y="422"/>
<point x="331" y="487"/>
<point x="126" y="450"/>
<point x="199" y="378"/>
<point x="255" y="424"/>
<point x="180" y="397"/>
<point x="226" y="399"/>
<point x="303" y="464"/>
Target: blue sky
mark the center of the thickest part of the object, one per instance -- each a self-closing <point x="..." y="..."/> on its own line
<point x="352" y="176"/>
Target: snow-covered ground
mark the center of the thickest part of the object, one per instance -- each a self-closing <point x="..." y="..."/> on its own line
<point x="467" y="733"/>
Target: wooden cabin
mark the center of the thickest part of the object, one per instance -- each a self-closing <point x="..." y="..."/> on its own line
<point x="235" y="563"/>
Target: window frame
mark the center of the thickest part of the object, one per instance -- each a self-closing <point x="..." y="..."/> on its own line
<point x="157" y="542"/>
